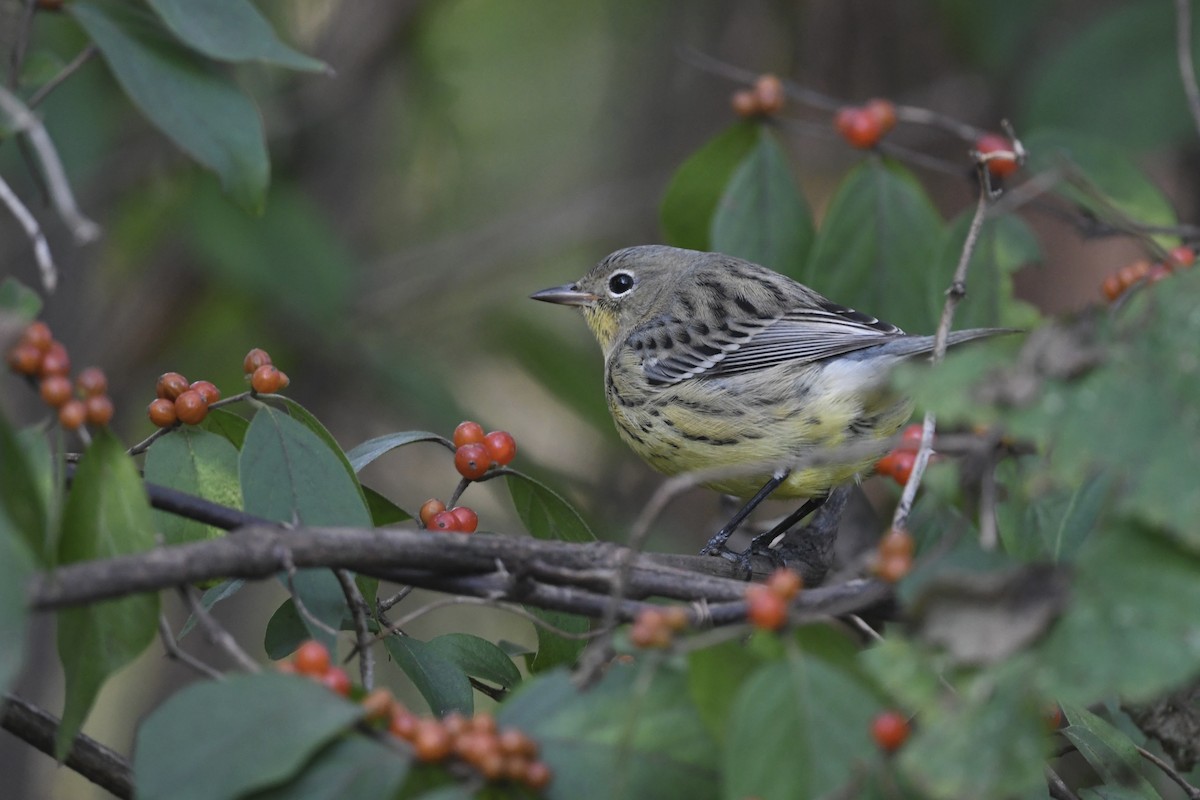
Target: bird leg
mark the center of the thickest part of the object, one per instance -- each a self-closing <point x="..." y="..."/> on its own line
<point x="761" y="543"/>
<point x="716" y="545"/>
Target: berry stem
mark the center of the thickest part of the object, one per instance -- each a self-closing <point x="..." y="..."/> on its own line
<point x="463" y="483"/>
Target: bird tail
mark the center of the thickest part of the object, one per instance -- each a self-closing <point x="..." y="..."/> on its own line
<point x="916" y="345"/>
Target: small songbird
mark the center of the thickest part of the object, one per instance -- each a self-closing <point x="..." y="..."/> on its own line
<point x="715" y="363"/>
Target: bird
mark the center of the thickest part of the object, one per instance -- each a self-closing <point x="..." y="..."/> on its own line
<point x="713" y="363"/>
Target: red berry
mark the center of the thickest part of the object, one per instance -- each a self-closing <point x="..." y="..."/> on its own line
<point x="466" y="520"/>
<point x="55" y="390"/>
<point x="745" y="103"/>
<point x="72" y="414"/>
<point x="468" y="433"/>
<point x="784" y="582"/>
<point x="765" y="609"/>
<point x="55" y="360"/>
<point x="538" y="775"/>
<point x="1112" y="287"/>
<point x="896" y="542"/>
<point x="500" y="446"/>
<point x="883" y="112"/>
<point x="675" y="618"/>
<point x="207" y="390"/>
<point x="904" y="462"/>
<point x="1183" y="256"/>
<point x="910" y="439"/>
<point x="472" y="461"/>
<point x="255" y="359"/>
<point x="1157" y="273"/>
<point x="892" y="568"/>
<point x="1132" y="273"/>
<point x="337" y="681"/>
<point x="162" y="412"/>
<point x="311" y="658"/>
<point x="403" y="724"/>
<point x="92" y="382"/>
<point x="889" y="730"/>
<point x="649" y="631"/>
<point x="431" y="741"/>
<point x="443" y="521"/>
<point x="266" y="379"/>
<point x="170" y="385"/>
<point x="858" y="127"/>
<point x="1002" y="166"/>
<point x="769" y="92"/>
<point x="38" y="334"/>
<point x="99" y="410"/>
<point x="284" y="380"/>
<point x="378" y="704"/>
<point x="429" y="509"/>
<point x="25" y="359"/>
<point x="190" y="407"/>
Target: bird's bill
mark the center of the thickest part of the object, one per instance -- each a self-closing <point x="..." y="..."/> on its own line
<point x="568" y="295"/>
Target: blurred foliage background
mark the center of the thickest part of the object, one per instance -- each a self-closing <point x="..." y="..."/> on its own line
<point x="467" y="153"/>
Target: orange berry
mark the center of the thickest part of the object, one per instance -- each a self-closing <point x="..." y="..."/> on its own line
<point x="1112" y="287"/>
<point x="538" y="776"/>
<point x="472" y="461"/>
<point x="483" y="722"/>
<point x="769" y="92"/>
<point x="403" y="723"/>
<point x="1132" y="273"/>
<point x="903" y="466"/>
<point x="431" y="741"/>
<point x="896" y="542"/>
<point x="191" y="408"/>
<point x="501" y="446"/>
<point x="284" y="380"/>
<point x="55" y="390"/>
<point x="1054" y="717"/>
<point x="468" y="432"/>
<point x="1182" y="256"/>
<point x="312" y="658"/>
<point x="429" y="509"/>
<point x="92" y="382"/>
<point x="890" y="730"/>
<point x="337" y="681"/>
<point x="378" y="705"/>
<point x="1157" y="273"/>
<point x="55" y="360"/>
<point x="266" y="379"/>
<point x="38" y="334"/>
<point x="513" y="768"/>
<point x="999" y="167"/>
<point x="882" y="111"/>
<point x="99" y="410"/>
<point x="208" y="390"/>
<point x="466" y="520"/>
<point x="857" y="127"/>
<point x="162" y="412"/>
<point x="892" y="568"/>
<point x="513" y="742"/>
<point x="765" y="609"/>
<point x="910" y="439"/>
<point x="443" y="521"/>
<point x="25" y="359"/>
<point x="490" y="764"/>
<point x="675" y="618"/>
<point x="255" y="359"/>
<point x="286" y="668"/>
<point x="745" y="103"/>
<point x="72" y="414"/>
<point x="170" y="385"/>
<point x="455" y="724"/>
<point x="785" y="582"/>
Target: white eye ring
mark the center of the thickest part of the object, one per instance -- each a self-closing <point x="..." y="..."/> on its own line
<point x="621" y="282"/>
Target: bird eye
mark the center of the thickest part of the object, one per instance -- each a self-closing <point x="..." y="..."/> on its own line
<point x="619" y="283"/>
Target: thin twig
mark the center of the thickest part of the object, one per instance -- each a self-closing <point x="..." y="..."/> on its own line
<point x="174" y="651"/>
<point x="1183" y="48"/>
<point x="41" y="248"/>
<point x="215" y="632"/>
<point x="399" y="625"/>
<point x="383" y="606"/>
<point x="70" y="69"/>
<point x="358" y="611"/>
<point x="1191" y="791"/>
<point x="1058" y="789"/>
<point x="289" y="568"/>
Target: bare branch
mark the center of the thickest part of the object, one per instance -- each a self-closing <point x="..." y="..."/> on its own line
<point x="174" y="651"/>
<point x="70" y="69"/>
<point x="359" y="611"/>
<point x="41" y="248"/>
<point x="215" y="632"/>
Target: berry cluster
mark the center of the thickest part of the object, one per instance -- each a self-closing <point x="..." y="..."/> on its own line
<point x="475" y="452"/>
<point x="312" y="660"/>
<point x="436" y="517"/>
<point x="40" y="357"/>
<point x="656" y="627"/>
<point x="767" y="603"/>
<point x="890" y="730"/>
<point x="765" y="99"/>
<point x="181" y="401"/>
<point x="1003" y="164"/>
<point x="898" y="464"/>
<point x="863" y="126"/>
<point x="265" y="378"/>
<point x="1125" y="278"/>
<point x="894" y="555"/>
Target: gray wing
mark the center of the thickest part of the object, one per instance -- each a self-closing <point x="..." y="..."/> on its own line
<point x="674" y="350"/>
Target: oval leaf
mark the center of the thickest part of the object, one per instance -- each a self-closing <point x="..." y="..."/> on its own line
<point x="230" y="30"/>
<point x="372" y="449"/>
<point x="16" y="565"/>
<point x="21" y="499"/>
<point x="545" y="513"/>
<point x="443" y="685"/>
<point x="353" y="767"/>
<point x="199" y="463"/>
<point x="697" y="186"/>
<point x="478" y="658"/>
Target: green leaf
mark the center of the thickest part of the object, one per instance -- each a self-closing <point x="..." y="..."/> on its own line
<point x="106" y="515"/>
<point x="762" y="216"/>
<point x="383" y="511"/>
<point x="19" y="299"/>
<point x="222" y="726"/>
<point x="200" y="109"/>
<point x="797" y="728"/>
<point x="1005" y="245"/>
<point x="227" y="424"/>
<point x="875" y="246"/>
<point x="231" y="30"/>
<point x="289" y="474"/>
<point x="1113" y="185"/>
<point x="213" y="595"/>
<point x="286" y="629"/>
<point x="352" y="767"/>
<point x="632" y="734"/>
<point x="545" y="513"/>
<point x="363" y="454"/>
<point x="696" y="188"/>
<point x="308" y="420"/>
<point x="1111" y="753"/>
<point x="199" y="463"/>
<point x="21" y="499"/>
<point x="439" y="680"/>
<point x="16" y="566"/>
<point x="477" y="657"/>
<point x="715" y="676"/>
<point x="1117" y="77"/>
<point x="554" y="650"/>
